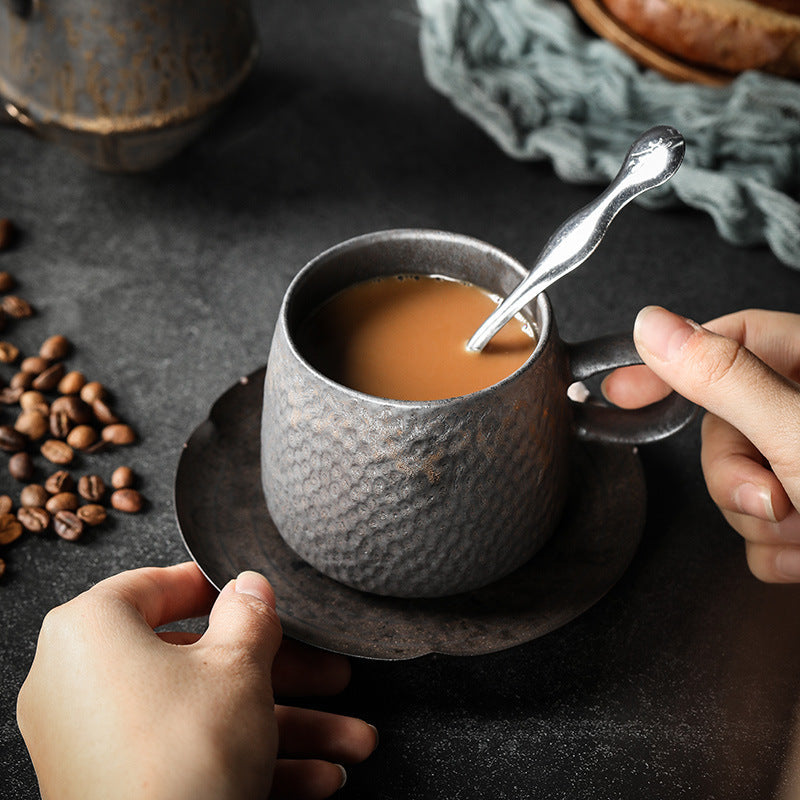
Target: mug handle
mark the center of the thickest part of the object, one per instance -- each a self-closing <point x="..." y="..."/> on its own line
<point x="602" y="423"/>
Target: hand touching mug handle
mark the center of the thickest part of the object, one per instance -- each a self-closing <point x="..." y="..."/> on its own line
<point x="743" y="369"/>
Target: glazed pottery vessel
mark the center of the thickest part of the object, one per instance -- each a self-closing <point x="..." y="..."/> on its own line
<point x="425" y="499"/>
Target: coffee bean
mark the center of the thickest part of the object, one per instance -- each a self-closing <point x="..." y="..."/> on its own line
<point x="82" y="437"/>
<point x="60" y="424"/>
<point x="57" y="452"/>
<point x="33" y="518"/>
<point x="127" y="500"/>
<point x="100" y="446"/>
<point x="71" y="383"/>
<point x="8" y="232"/>
<point x="60" y="481"/>
<point x="55" y="348"/>
<point x="6" y="504"/>
<point x="34" y="364"/>
<point x="92" y="514"/>
<point x="12" y="441"/>
<point x="10" y="528"/>
<point x="91" y="488"/>
<point x="7" y="282"/>
<point x="68" y="525"/>
<point x="34" y="401"/>
<point x="2" y="567"/>
<point x="33" y="424"/>
<point x="94" y="390"/>
<point x="63" y="501"/>
<point x="9" y="353"/>
<point x="33" y="495"/>
<point x="123" y="478"/>
<point x="48" y="380"/>
<point x="9" y="395"/>
<point x="119" y="433"/>
<point x="76" y="409"/>
<point x="21" y="380"/>
<point x="103" y="413"/>
<point x="16" y="307"/>
<point x="20" y="467"/>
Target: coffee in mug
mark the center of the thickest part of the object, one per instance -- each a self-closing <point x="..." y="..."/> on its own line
<point x="404" y="337"/>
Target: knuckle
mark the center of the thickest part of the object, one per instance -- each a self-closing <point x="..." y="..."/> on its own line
<point x="718" y="359"/>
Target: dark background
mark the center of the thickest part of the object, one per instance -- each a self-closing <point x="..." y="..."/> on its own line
<point x="681" y="683"/>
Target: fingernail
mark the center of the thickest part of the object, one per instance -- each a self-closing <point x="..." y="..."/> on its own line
<point x="756" y="501"/>
<point x="661" y="332"/>
<point x="787" y="563"/>
<point x="255" y="585"/>
<point x="377" y="735"/>
<point x="344" y="775"/>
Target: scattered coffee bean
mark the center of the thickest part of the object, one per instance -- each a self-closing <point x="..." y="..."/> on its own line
<point x="33" y="495"/>
<point x="9" y="353"/>
<point x="92" y="514"/>
<point x="20" y="467"/>
<point x="82" y="437"/>
<point x="60" y="481"/>
<point x="56" y="452"/>
<point x="33" y="424"/>
<point x="123" y="478"/>
<point x="22" y="381"/>
<point x="6" y="504"/>
<point x="103" y="413"/>
<point x="33" y="518"/>
<point x="76" y="409"/>
<point x="55" y="348"/>
<point x="12" y="441"/>
<point x="72" y="382"/>
<point x="34" y="364"/>
<point x="127" y="500"/>
<point x="10" y="528"/>
<point x="60" y="424"/>
<point x="16" y="307"/>
<point x="7" y="282"/>
<point x="91" y="488"/>
<point x="9" y="395"/>
<point x="118" y="433"/>
<point x="2" y="567"/>
<point x="63" y="501"/>
<point x="34" y="401"/>
<point x="100" y="446"/>
<point x="47" y="380"/>
<point x="7" y="233"/>
<point x="94" y="390"/>
<point x="68" y="525"/>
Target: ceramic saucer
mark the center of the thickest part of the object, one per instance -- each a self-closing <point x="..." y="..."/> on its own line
<point x="226" y="528"/>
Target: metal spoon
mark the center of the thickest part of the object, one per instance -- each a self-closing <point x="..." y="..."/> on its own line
<point x="652" y="160"/>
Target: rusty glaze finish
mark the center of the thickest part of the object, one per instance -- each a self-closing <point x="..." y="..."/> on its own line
<point x="144" y="77"/>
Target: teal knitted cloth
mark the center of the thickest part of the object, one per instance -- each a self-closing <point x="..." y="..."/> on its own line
<point x="542" y="88"/>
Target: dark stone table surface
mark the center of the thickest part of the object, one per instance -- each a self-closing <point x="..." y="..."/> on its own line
<point x="682" y="682"/>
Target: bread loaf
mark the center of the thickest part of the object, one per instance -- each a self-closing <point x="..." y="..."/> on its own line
<point x="731" y="35"/>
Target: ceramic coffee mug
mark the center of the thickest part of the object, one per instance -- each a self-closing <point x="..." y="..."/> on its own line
<point x="430" y="498"/>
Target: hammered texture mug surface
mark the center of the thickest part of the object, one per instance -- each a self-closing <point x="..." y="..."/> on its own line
<point x="430" y="498"/>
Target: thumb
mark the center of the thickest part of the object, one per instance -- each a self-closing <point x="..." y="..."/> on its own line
<point x="244" y="620"/>
<point x="724" y="377"/>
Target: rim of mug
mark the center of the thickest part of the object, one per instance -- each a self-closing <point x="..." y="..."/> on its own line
<point x="542" y="301"/>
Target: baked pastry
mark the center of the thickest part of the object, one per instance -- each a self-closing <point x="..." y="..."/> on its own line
<point x="730" y="35"/>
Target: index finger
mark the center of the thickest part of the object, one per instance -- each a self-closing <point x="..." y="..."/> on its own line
<point x="161" y="595"/>
<point x="723" y="376"/>
<point x="774" y="336"/>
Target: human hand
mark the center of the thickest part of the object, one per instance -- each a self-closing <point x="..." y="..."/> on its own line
<point x="112" y="709"/>
<point x="743" y="368"/>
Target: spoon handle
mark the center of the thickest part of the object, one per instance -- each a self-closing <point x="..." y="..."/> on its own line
<point x="652" y="160"/>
